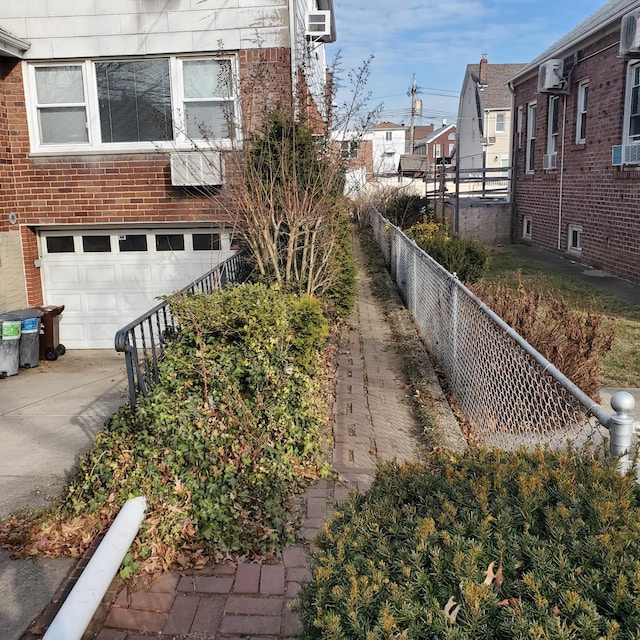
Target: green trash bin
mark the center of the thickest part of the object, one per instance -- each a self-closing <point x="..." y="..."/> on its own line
<point x="29" y="336"/>
<point x="10" y="330"/>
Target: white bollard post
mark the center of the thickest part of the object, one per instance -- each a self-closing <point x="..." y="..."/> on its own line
<point x="621" y="429"/>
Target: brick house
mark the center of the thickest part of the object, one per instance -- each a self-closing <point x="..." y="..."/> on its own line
<point x="104" y="204"/>
<point x="576" y="143"/>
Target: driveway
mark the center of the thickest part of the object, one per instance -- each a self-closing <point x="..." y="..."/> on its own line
<point x="49" y="415"/>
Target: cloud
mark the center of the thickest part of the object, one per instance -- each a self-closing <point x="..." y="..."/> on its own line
<point x="436" y="39"/>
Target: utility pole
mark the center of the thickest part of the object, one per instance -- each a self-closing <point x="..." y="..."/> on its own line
<point x="412" y="92"/>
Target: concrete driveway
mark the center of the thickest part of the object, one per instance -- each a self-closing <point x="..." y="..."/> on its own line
<point x="49" y="415"/>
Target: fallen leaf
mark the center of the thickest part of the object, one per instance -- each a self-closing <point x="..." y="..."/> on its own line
<point x="490" y="575"/>
<point x="451" y="613"/>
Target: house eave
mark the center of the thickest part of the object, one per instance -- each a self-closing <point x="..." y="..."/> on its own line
<point x="563" y="48"/>
<point x="11" y="46"/>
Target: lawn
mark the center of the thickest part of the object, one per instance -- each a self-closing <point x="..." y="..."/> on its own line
<point x="621" y="367"/>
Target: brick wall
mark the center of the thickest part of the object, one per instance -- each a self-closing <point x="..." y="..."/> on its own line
<point x="603" y="200"/>
<point x="101" y="189"/>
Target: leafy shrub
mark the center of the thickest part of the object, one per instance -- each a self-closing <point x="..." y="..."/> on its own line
<point x="466" y="258"/>
<point x="486" y="544"/>
<point x="220" y="446"/>
<point x="339" y="296"/>
<point x="406" y="211"/>
<point x="574" y="342"/>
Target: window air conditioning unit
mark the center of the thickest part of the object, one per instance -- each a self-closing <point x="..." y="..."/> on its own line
<point x="630" y="35"/>
<point x="623" y="154"/>
<point x="550" y="161"/>
<point x="550" y="76"/>
<point x="196" y="169"/>
<point x="318" y="25"/>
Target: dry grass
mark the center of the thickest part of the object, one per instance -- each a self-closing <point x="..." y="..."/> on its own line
<point x="620" y="367"/>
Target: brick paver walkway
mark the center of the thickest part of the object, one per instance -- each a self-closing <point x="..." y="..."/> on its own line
<point x="372" y="419"/>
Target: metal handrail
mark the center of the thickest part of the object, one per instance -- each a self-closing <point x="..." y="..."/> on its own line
<point x="144" y="339"/>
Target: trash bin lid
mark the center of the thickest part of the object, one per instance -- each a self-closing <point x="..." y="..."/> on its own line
<point x="52" y="310"/>
<point x="24" y="314"/>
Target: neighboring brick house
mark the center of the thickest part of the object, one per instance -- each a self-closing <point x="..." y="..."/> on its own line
<point x="104" y="205"/>
<point x="577" y="143"/>
<point x="484" y="116"/>
<point x="439" y="146"/>
<point x="435" y="148"/>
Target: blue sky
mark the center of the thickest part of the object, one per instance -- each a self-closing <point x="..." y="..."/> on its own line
<point x="436" y="39"/>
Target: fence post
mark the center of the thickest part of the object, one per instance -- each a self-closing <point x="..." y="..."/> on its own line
<point x="621" y="426"/>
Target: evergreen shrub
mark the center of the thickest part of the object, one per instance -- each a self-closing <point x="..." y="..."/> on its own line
<point x="466" y="258"/>
<point x="485" y="544"/>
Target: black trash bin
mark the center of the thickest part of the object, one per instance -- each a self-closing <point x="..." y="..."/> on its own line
<point x="29" y="336"/>
<point x="10" y="329"/>
<point x="50" y="347"/>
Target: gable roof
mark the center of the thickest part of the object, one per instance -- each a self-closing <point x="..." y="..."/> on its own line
<point x="610" y="13"/>
<point x="495" y="94"/>
<point x="381" y="126"/>
<point x="436" y="134"/>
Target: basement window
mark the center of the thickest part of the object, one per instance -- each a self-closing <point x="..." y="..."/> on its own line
<point x="526" y="228"/>
<point x="575" y="239"/>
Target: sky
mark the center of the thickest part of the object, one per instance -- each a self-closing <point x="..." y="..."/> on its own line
<point x="435" y="40"/>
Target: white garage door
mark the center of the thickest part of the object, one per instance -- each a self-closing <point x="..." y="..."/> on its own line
<point x="107" y="278"/>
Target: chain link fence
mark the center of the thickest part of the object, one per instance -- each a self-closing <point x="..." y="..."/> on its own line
<point x="510" y="395"/>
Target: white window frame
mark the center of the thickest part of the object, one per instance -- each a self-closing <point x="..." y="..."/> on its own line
<point x="349" y="149"/>
<point x="501" y="117"/>
<point x="437" y="151"/>
<point x="519" y="119"/>
<point x="526" y="228"/>
<point x="581" y="111"/>
<point x="530" y="154"/>
<point x="632" y="68"/>
<point x="553" y="124"/>
<point x="388" y="136"/>
<point x="94" y="144"/>
<point x="574" y="231"/>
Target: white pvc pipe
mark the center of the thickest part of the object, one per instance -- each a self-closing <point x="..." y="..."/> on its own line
<point x="77" y="610"/>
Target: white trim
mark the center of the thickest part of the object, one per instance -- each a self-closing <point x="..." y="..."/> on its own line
<point x="179" y="141"/>
<point x="582" y="105"/>
<point x="577" y="247"/>
<point x="532" y="108"/>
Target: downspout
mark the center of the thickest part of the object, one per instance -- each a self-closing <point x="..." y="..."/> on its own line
<point x="293" y="55"/>
<point x="512" y="155"/>
<point x="560" y="195"/>
<point x="78" y="609"/>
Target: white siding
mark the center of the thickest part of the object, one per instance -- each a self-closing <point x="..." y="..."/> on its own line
<point x="92" y="28"/>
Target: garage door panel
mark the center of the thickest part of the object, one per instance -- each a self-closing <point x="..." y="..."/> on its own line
<point x="104" y="301"/>
<point x="136" y="274"/>
<point x="100" y="275"/>
<point x="71" y="334"/>
<point x="63" y="273"/>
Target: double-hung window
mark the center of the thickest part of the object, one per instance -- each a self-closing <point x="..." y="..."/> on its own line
<point x="61" y="104"/>
<point x="531" y="137"/>
<point x="500" y="118"/>
<point x="132" y="104"/>
<point x="552" y="125"/>
<point x="581" y="111"/>
<point x="631" y="134"/>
